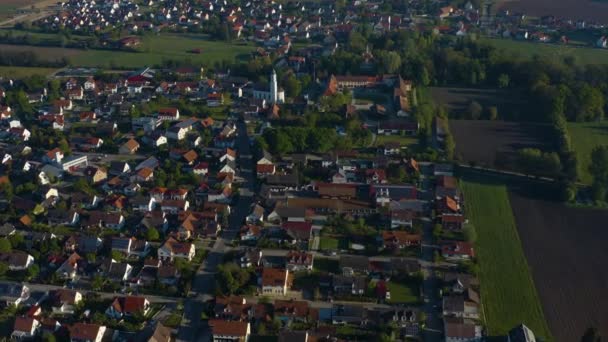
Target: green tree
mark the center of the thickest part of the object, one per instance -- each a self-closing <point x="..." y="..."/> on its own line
<point x="391" y="61"/>
<point x="492" y="113"/>
<point x="591" y="335"/>
<point x="3" y="268"/>
<point x="33" y="271"/>
<point x="5" y="246"/>
<point x="475" y="110"/>
<point x="293" y="86"/>
<point x="48" y="337"/>
<point x="152" y="234"/>
<point x="503" y="81"/>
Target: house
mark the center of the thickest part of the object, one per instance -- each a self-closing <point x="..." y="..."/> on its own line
<point x="299" y="261"/>
<point x="288" y="311"/>
<point x="350" y="264"/>
<point x="161" y="334"/>
<point x="130" y="247"/>
<point x="177" y="133"/>
<point x="229" y="154"/>
<point x="86" y="332"/>
<point x="143" y="204"/>
<point x="249" y="258"/>
<point x="400" y="239"/>
<point x="172" y="249"/>
<point x="25" y="328"/>
<point x="201" y="169"/>
<point x="457" y="250"/>
<point x="256" y="216"/>
<point x="298" y="231"/>
<point x="118" y="168"/>
<point x="228" y="331"/>
<point x="130" y="147"/>
<point x="349" y="285"/>
<point x="402" y="219"/>
<point x="174" y="206"/>
<point x="70" y="267"/>
<point x="463" y="306"/>
<point x="521" y="333"/>
<point x="168" y="114"/>
<point x="385" y="193"/>
<point x="127" y="306"/>
<point x="342" y="191"/>
<point x="117" y="271"/>
<point x="275" y="281"/>
<point x="14" y="294"/>
<point x="453" y="222"/>
<point x="265" y="166"/>
<point x="16" y="260"/>
<point x="95" y="174"/>
<point x="64" y="301"/>
<point x="250" y="232"/>
<point x="461" y="330"/>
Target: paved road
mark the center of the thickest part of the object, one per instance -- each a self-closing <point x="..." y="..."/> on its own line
<point x="192" y="328"/>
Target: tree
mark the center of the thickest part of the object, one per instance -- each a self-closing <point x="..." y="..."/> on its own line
<point x="391" y="61"/>
<point x="599" y="171"/>
<point x="503" y="81"/>
<point x="3" y="268"/>
<point x="97" y="283"/>
<point x="48" y="337"/>
<point x="33" y="271"/>
<point x="152" y="234"/>
<point x="492" y="113"/>
<point x="591" y="335"/>
<point x="5" y="246"/>
<point x="475" y="110"/>
<point x="293" y="87"/>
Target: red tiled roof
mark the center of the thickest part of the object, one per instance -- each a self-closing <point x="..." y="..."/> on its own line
<point x="228" y="328"/>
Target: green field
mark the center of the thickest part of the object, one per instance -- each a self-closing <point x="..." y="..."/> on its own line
<point x="21" y="72"/>
<point x="402" y="140"/>
<point x="153" y="51"/>
<point x="584" y="55"/>
<point x="403" y="293"/>
<point x="585" y="136"/>
<point x="508" y="293"/>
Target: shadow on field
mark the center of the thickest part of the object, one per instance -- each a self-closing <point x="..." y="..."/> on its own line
<point x="530" y="188"/>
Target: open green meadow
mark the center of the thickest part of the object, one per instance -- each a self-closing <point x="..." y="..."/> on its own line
<point x="153" y="50"/>
<point x="583" y="55"/>
<point x="508" y="293"/>
<point x="21" y="72"/>
<point x="585" y="136"/>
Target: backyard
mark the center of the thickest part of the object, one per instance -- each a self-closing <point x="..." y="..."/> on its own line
<point x="507" y="289"/>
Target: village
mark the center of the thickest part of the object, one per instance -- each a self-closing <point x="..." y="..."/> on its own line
<point x="308" y="190"/>
<point x="139" y="215"/>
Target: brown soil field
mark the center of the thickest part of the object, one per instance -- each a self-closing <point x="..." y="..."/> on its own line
<point x="456" y="100"/>
<point x="567" y="253"/>
<point x="593" y="10"/>
<point x="492" y="143"/>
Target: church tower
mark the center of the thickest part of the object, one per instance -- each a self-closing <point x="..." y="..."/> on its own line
<point x="273" y="87"/>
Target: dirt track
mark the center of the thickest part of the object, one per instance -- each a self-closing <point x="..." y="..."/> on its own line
<point x="567" y="253"/>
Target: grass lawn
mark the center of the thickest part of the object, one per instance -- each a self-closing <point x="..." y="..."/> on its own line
<point x="507" y="290"/>
<point x="153" y="51"/>
<point x="585" y="136"/>
<point x="402" y="140"/>
<point x="403" y="293"/>
<point x="328" y="243"/>
<point x="21" y="72"/>
<point x="584" y="55"/>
